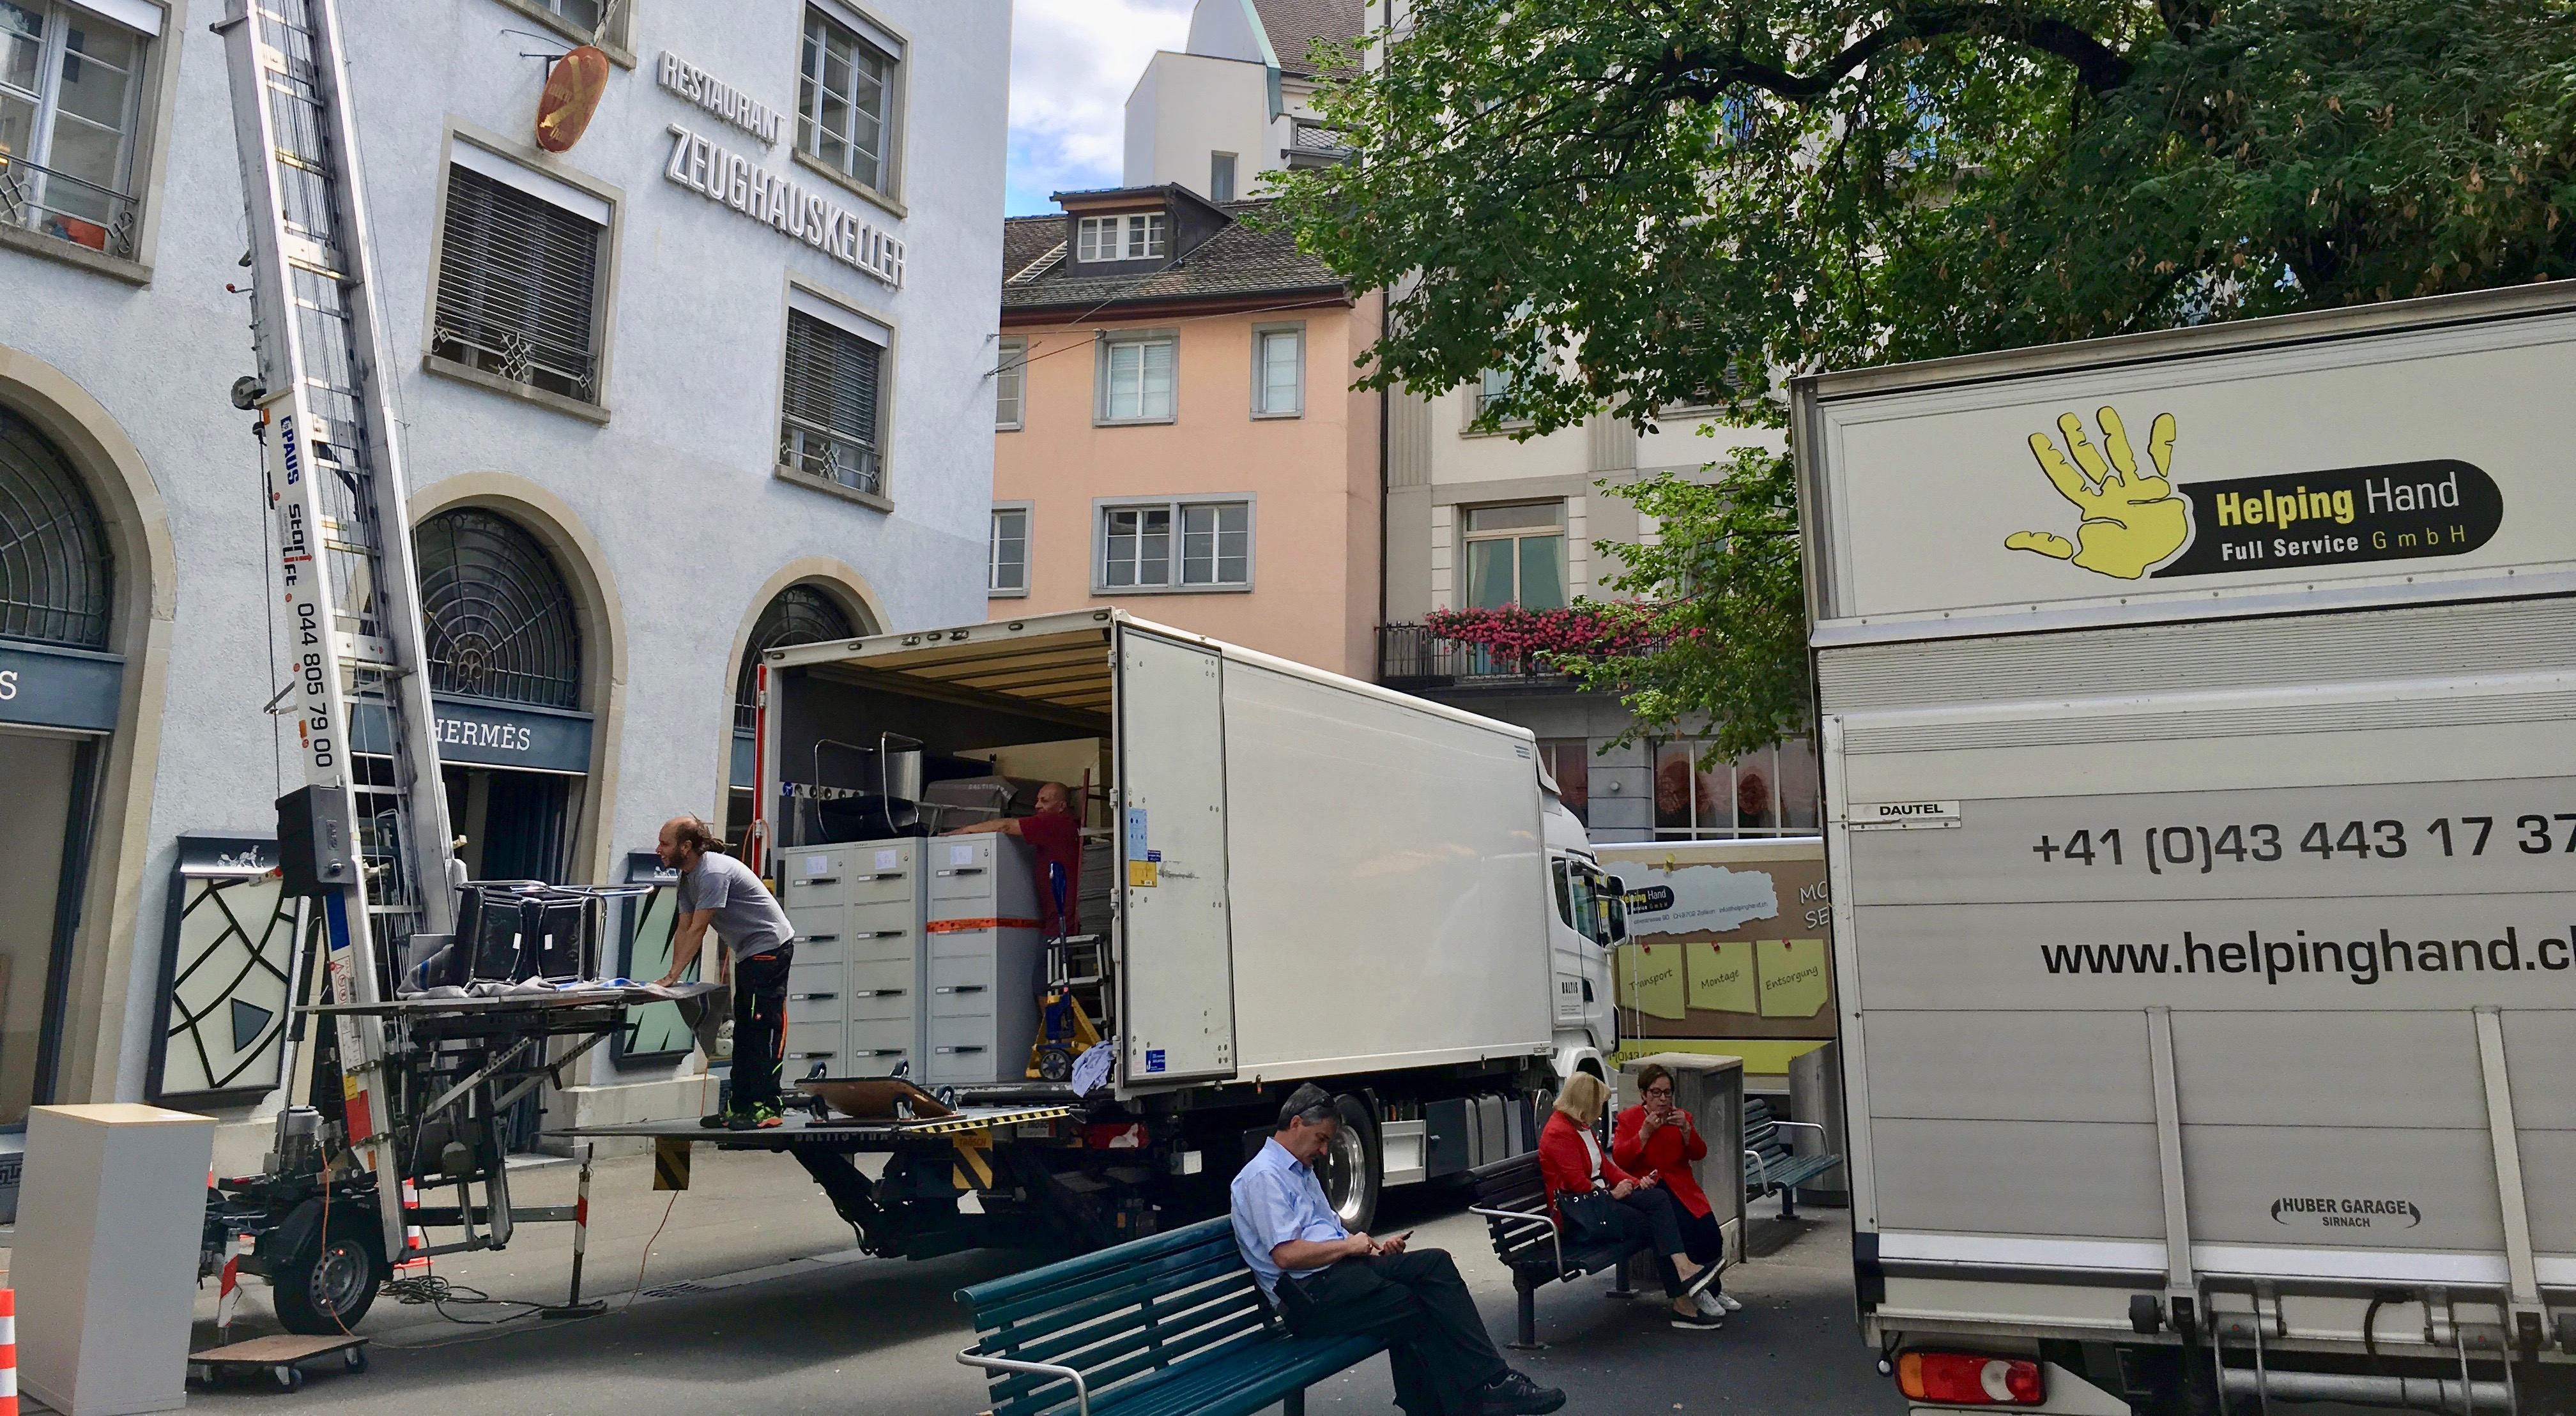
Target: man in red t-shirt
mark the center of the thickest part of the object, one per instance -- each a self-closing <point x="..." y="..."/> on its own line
<point x="1055" y="838"/>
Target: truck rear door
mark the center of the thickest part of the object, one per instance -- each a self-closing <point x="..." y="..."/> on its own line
<point x="1177" y="973"/>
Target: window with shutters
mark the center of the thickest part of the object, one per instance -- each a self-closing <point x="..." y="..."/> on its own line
<point x="518" y="284"/>
<point x="1167" y="546"/>
<point x="829" y="424"/>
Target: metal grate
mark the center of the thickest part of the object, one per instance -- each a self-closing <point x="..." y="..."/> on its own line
<point x="830" y="425"/>
<point x="800" y="615"/>
<point x="56" y="572"/>
<point x="501" y="621"/>
<point x="517" y="287"/>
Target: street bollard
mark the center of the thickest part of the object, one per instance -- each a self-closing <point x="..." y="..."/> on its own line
<point x="572" y="1306"/>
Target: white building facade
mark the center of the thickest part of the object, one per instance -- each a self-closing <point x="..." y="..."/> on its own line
<point x="1237" y="103"/>
<point x="647" y="430"/>
<point x="1473" y="519"/>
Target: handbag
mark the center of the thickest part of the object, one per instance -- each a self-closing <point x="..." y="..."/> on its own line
<point x="1589" y="1218"/>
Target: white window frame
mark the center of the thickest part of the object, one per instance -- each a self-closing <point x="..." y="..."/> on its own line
<point x="993" y="588"/>
<point x="1011" y="371"/>
<point x="1104" y="355"/>
<point x="1133" y="236"/>
<point x="1515" y="534"/>
<point x="36" y="167"/>
<point x="1177" y="508"/>
<point x="1763" y="759"/>
<point x="1262" y="334"/>
<point x="892" y="129"/>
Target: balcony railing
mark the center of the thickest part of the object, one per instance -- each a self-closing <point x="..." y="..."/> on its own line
<point x="1410" y="656"/>
<point x="62" y="206"/>
<point x="1312" y="144"/>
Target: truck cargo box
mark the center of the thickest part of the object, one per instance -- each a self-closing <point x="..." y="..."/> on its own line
<point x="1311" y="876"/>
<point x="2197" y="711"/>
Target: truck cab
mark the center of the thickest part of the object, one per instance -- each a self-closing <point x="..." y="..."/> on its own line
<point x="1587" y="919"/>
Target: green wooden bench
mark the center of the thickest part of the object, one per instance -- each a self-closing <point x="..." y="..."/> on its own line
<point x="1769" y="1165"/>
<point x="1168" y="1325"/>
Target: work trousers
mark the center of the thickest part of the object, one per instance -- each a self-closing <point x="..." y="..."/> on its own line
<point x="1655" y="1216"/>
<point x="1436" y="1341"/>
<point x="759" y="1026"/>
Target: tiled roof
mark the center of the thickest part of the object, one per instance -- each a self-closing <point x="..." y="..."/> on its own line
<point x="1235" y="263"/>
<point x="1294" y="26"/>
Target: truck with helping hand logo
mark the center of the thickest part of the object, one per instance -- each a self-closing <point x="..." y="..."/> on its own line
<point x="2202" y="843"/>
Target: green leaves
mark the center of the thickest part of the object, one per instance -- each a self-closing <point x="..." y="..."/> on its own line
<point x="1629" y="204"/>
<point x="1723" y="605"/>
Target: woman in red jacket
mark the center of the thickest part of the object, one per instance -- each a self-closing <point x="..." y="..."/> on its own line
<point x="1659" y="1139"/>
<point x="1569" y="1156"/>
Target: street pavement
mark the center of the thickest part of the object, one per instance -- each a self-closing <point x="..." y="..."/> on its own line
<point x="754" y="1300"/>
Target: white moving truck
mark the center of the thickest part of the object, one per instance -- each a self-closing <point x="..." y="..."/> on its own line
<point x="2199" y="730"/>
<point x="1309" y="879"/>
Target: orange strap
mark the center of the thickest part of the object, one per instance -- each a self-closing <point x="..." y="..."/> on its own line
<point x="970" y="926"/>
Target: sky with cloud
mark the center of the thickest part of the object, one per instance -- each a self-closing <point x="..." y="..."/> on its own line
<point x="1073" y="63"/>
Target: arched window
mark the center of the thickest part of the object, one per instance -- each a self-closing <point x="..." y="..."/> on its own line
<point x="56" y="572"/>
<point x="800" y="615"/>
<point x="500" y="619"/>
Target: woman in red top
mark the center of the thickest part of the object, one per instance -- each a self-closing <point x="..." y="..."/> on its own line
<point x="1569" y="1156"/>
<point x="1659" y="1139"/>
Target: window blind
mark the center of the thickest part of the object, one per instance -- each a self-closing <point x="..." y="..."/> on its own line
<point x="829" y="416"/>
<point x="518" y="287"/>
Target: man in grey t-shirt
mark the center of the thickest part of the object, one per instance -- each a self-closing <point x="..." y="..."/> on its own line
<point x="719" y="892"/>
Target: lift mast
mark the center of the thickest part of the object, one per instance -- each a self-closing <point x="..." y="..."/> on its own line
<point x="355" y="664"/>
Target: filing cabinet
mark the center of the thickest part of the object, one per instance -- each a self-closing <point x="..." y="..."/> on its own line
<point x="918" y="951"/>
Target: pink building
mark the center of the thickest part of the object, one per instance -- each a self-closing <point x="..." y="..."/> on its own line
<point x="1176" y="429"/>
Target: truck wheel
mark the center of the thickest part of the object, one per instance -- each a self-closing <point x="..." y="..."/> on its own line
<point x="326" y="1292"/>
<point x="1351" y="1169"/>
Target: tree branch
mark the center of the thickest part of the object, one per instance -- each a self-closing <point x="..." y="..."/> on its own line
<point x="1706" y="73"/>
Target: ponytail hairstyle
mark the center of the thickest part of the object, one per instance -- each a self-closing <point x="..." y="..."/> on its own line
<point x="695" y="834"/>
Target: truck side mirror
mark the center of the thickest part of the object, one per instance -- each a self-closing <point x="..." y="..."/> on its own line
<point x="1614" y="910"/>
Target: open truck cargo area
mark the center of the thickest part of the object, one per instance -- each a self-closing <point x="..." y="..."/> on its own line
<point x="1287" y="876"/>
<point x="2197" y="712"/>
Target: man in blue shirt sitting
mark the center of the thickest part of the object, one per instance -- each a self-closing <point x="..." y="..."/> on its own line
<point x="1328" y="1282"/>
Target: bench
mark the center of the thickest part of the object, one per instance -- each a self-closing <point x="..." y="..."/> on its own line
<point x="1769" y="1165"/>
<point x="1161" y="1326"/>
<point x="1512" y="1196"/>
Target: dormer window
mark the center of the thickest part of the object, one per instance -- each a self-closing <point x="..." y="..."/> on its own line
<point x="1121" y="238"/>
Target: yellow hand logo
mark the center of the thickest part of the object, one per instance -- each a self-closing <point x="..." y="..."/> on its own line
<point x="2131" y="521"/>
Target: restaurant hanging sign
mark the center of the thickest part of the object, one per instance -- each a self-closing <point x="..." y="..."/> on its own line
<point x="784" y="206"/>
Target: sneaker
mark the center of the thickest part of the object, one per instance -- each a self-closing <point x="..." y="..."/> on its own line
<point x="1700" y="1281"/>
<point x="1728" y="1299"/>
<point x="1514" y="1394"/>
<point x="1702" y="1321"/>
<point x="716" y="1120"/>
<point x="1710" y="1304"/>
<point x="757" y="1117"/>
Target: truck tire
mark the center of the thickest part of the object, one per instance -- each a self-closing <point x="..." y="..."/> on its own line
<point x="1352" y="1169"/>
<point x="325" y="1290"/>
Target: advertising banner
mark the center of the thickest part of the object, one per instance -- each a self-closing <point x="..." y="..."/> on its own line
<point x="1729" y="949"/>
<point x="2404" y="465"/>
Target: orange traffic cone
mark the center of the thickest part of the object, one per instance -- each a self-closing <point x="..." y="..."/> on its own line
<point x="8" y="1352"/>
